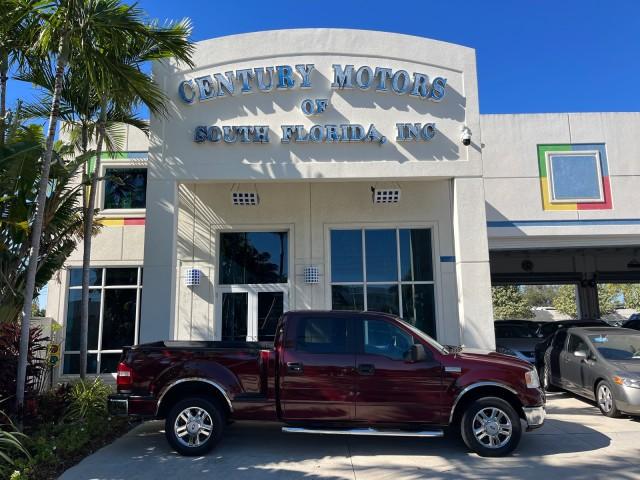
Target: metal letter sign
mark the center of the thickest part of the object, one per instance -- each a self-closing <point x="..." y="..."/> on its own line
<point x="212" y="87"/>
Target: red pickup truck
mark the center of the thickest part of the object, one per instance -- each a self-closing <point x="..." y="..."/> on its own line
<point x="343" y="373"/>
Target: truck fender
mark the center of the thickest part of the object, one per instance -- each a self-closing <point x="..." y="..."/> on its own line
<point x="473" y="386"/>
<point x="172" y="384"/>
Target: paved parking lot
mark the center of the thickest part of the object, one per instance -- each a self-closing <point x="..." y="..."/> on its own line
<point x="575" y="443"/>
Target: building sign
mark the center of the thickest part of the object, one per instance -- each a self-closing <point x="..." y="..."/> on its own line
<point x="286" y="77"/>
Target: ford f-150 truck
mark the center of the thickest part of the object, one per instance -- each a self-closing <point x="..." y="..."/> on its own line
<point x="349" y="373"/>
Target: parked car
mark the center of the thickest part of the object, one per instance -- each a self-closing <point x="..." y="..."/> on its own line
<point x="517" y="338"/>
<point x="633" y="322"/>
<point x="599" y="363"/>
<point x="331" y="373"/>
<point x="547" y="330"/>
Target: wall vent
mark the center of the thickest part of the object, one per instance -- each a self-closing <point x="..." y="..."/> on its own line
<point x="244" y="198"/>
<point x="387" y="195"/>
<point x="192" y="277"/>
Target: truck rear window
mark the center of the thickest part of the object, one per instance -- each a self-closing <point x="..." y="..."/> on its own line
<point x="322" y="335"/>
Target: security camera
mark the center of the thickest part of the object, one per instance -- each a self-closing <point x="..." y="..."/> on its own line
<point x="466" y="136"/>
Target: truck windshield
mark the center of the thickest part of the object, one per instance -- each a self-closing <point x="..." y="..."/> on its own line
<point x="617" y="347"/>
<point x="423" y="336"/>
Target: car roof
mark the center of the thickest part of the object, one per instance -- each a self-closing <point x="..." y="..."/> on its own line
<point x="603" y="330"/>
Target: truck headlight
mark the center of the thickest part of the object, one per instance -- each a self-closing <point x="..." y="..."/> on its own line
<point x="532" y="379"/>
<point x="627" y="382"/>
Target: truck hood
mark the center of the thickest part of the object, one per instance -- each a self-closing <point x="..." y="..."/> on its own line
<point x="490" y="357"/>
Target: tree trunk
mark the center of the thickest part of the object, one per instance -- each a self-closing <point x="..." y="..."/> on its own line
<point x="36" y="229"/>
<point x="86" y="255"/>
<point x="4" y="70"/>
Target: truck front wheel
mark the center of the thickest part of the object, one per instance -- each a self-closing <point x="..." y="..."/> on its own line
<point x="193" y="426"/>
<point x="491" y="427"/>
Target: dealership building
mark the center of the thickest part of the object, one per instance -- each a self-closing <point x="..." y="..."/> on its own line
<point x="352" y="170"/>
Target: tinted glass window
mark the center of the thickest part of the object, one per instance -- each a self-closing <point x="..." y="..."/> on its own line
<point x="234" y="316"/>
<point x="416" y="263"/>
<point x="383" y="298"/>
<point x="382" y="258"/>
<point x="270" y="309"/>
<point x="418" y="307"/>
<point x="347" y="297"/>
<point x="254" y="257"/>
<point x="617" y="347"/>
<point x="384" y="338"/>
<point x="346" y="256"/>
<point x="322" y="335"/>
<point x="118" y="318"/>
<point x="75" y="277"/>
<point x="121" y="276"/>
<point x="125" y="188"/>
<point x="72" y="340"/>
<point x="576" y="344"/>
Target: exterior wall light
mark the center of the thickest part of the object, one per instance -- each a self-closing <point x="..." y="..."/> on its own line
<point x="192" y="277"/>
<point x="311" y="275"/>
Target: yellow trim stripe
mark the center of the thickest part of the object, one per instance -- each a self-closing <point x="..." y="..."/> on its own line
<point x="546" y="198"/>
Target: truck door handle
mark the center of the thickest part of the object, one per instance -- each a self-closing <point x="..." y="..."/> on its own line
<point x="366" y="369"/>
<point x="294" y="367"/>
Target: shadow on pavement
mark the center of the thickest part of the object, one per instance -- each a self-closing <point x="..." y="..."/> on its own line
<point x="262" y="451"/>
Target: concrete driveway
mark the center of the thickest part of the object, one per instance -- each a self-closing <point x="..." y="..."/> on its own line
<point x="577" y="442"/>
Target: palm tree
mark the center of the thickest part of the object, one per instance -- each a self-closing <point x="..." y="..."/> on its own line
<point x="76" y="34"/>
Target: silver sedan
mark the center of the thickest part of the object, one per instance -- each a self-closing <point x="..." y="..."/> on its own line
<point x="599" y="363"/>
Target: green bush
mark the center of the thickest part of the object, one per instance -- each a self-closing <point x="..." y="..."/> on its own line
<point x="11" y="446"/>
<point x="87" y="399"/>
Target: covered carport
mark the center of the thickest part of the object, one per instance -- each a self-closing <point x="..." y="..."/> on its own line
<point x="584" y="267"/>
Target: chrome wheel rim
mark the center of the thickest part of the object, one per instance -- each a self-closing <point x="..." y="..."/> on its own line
<point x="492" y="427"/>
<point x="193" y="427"/>
<point x="605" y="399"/>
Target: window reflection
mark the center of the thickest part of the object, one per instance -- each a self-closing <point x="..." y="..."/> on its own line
<point x="253" y="258"/>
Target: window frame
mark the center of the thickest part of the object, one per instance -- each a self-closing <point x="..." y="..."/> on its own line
<point x="574" y="153"/>
<point x="435" y="252"/>
<point x="102" y="287"/>
<point x="127" y="163"/>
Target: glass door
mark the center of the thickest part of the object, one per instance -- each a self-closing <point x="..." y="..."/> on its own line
<point x="250" y="313"/>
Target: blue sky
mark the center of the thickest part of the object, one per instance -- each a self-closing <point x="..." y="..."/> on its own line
<point x="533" y="56"/>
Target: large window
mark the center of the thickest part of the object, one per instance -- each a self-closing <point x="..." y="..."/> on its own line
<point x="125" y="188"/>
<point x="253" y="258"/>
<point x="385" y="270"/>
<point x="114" y="299"/>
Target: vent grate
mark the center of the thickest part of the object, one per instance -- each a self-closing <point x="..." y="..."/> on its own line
<point x="386" y="196"/>
<point x="244" y="198"/>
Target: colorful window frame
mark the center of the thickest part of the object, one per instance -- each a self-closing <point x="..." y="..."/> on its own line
<point x="549" y="201"/>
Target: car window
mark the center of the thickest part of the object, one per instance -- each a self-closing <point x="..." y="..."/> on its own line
<point x="548" y="329"/>
<point x="384" y="338"/>
<point x="633" y="324"/>
<point x="558" y="340"/>
<point x="516" y="331"/>
<point x="617" y="347"/>
<point x="322" y="335"/>
<point x="576" y="344"/>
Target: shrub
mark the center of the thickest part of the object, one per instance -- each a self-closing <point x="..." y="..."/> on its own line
<point x="11" y="446"/>
<point x="88" y="399"/>
<point x="9" y="348"/>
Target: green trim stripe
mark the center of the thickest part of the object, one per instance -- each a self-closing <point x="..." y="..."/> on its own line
<point x="542" y="155"/>
<point x="115" y="156"/>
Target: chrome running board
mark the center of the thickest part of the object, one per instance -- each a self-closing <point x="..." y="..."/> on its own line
<point x="367" y="432"/>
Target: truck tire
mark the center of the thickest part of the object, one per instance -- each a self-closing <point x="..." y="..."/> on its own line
<point x="194" y="425"/>
<point x="605" y="400"/>
<point x="491" y="427"/>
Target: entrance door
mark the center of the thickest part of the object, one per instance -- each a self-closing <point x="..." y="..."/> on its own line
<point x="250" y="313"/>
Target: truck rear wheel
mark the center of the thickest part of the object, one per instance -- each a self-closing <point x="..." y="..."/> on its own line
<point x="194" y="425"/>
<point x="491" y="427"/>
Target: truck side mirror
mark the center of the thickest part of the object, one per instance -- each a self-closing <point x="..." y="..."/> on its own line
<point x="416" y="353"/>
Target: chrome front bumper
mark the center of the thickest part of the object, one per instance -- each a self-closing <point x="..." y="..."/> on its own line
<point x="534" y="416"/>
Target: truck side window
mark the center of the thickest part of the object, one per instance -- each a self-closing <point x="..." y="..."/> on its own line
<point x="384" y="338"/>
<point x="322" y="335"/>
